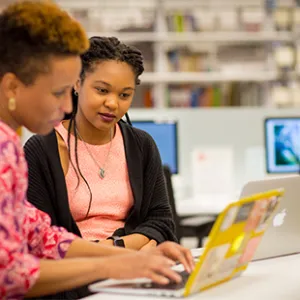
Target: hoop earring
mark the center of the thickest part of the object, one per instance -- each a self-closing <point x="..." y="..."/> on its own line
<point x="12" y="105"/>
<point x="75" y="93"/>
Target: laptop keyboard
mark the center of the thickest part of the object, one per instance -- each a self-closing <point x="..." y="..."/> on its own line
<point x="170" y="286"/>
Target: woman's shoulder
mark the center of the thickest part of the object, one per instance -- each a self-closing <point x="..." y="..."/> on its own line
<point x="10" y="148"/>
<point x="137" y="139"/>
<point x="7" y="134"/>
<point x="36" y="141"/>
<point x="139" y="135"/>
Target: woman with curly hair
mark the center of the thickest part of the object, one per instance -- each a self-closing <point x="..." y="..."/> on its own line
<point x="39" y="64"/>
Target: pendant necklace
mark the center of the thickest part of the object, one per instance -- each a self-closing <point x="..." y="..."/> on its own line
<point x="101" y="171"/>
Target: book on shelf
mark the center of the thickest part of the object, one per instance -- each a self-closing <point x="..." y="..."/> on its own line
<point x="193" y="96"/>
<point x="143" y="97"/>
<point x="181" y="22"/>
<point x="183" y="60"/>
<point x="227" y="58"/>
<point x="216" y="95"/>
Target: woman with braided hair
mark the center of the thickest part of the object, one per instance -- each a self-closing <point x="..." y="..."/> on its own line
<point x="113" y="173"/>
<point x="39" y="64"/>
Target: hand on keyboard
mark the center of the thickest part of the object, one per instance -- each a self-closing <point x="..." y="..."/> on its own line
<point x="172" y="285"/>
<point x="176" y="252"/>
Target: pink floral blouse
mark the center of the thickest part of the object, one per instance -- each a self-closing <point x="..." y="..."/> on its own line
<point x="25" y="232"/>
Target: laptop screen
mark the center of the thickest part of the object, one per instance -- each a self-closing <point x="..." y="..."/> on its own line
<point x="282" y="143"/>
<point x="165" y="137"/>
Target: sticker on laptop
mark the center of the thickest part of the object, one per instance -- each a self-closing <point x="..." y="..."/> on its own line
<point x="237" y="243"/>
<point x="272" y="205"/>
<point x="256" y="215"/>
<point x="244" y="212"/>
<point x="229" y="218"/>
<point x="250" y="250"/>
<point x="228" y="266"/>
<point x="209" y="268"/>
<point x="246" y="240"/>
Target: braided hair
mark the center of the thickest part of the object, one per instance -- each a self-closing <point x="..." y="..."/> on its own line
<point x="101" y="49"/>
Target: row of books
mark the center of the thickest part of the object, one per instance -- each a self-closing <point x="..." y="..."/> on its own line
<point x="243" y="18"/>
<point x="213" y="20"/>
<point x="282" y="56"/>
<point x="277" y="15"/>
<point x="114" y="19"/>
<point x="183" y="60"/>
<point x="215" y="95"/>
<point x="189" y="96"/>
<point x="229" y="57"/>
<point x="218" y="95"/>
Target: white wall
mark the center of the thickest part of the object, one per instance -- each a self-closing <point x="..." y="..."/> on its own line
<point x="241" y="128"/>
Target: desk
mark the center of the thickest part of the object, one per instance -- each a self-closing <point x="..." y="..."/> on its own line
<point x="273" y="279"/>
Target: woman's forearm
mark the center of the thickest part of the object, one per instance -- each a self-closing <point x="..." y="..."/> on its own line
<point x="60" y="275"/>
<point x="66" y="274"/>
<point x="84" y="248"/>
<point x="134" y="241"/>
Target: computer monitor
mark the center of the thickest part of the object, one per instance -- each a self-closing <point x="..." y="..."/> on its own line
<point x="282" y="143"/>
<point x="165" y="137"/>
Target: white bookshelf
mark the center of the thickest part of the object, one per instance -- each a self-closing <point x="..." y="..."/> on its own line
<point x="96" y="4"/>
<point x="207" y="77"/>
<point x="225" y="37"/>
<point x="131" y="37"/>
<point x="118" y="12"/>
<point x="192" y="37"/>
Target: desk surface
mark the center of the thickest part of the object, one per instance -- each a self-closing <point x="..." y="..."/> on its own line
<point x="276" y="279"/>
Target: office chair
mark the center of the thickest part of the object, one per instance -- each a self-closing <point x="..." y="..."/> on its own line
<point x="196" y="226"/>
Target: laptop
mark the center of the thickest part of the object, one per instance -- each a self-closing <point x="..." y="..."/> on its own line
<point x="283" y="236"/>
<point x="230" y="247"/>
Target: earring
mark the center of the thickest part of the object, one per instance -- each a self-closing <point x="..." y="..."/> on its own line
<point x="75" y="93"/>
<point x="12" y="104"/>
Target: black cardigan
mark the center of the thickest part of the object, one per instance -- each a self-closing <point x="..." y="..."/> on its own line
<point x="151" y="213"/>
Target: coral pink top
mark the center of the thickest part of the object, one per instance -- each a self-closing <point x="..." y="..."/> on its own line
<point x="25" y="232"/>
<point x="112" y="196"/>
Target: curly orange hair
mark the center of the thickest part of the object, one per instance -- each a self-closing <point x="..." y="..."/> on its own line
<point x="31" y="31"/>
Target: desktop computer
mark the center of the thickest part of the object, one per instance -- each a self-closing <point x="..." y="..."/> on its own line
<point x="166" y="139"/>
<point x="282" y="143"/>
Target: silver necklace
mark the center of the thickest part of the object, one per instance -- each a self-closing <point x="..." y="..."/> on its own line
<point x="101" y="171"/>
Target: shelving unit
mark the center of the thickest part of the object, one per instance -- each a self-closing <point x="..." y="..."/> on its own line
<point x="200" y="37"/>
<point x="208" y="77"/>
<point x="146" y="24"/>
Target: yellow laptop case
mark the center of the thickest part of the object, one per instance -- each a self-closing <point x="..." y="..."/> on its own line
<point x="233" y="241"/>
